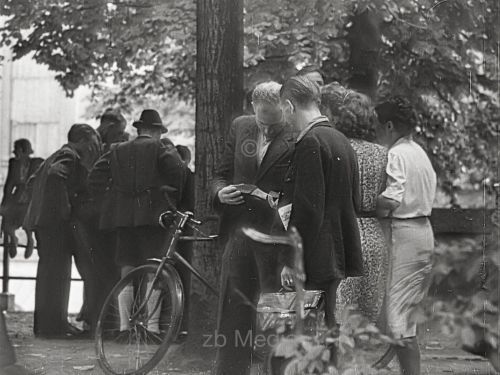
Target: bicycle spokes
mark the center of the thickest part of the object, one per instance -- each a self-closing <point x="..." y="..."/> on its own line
<point x="138" y="321"/>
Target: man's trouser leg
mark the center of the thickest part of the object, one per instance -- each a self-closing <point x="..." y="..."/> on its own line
<point x="266" y="260"/>
<point x="153" y="307"/>
<point x="151" y="240"/>
<point x="85" y="266"/>
<point x="106" y="270"/>
<point x="236" y="318"/>
<point x="53" y="281"/>
<point x="126" y="238"/>
<point x="330" y="289"/>
<point x="138" y="244"/>
<point x="125" y="301"/>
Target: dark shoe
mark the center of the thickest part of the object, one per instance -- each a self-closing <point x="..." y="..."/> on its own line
<point x="124" y="337"/>
<point x="181" y="337"/>
<point x="29" y="250"/>
<point x="80" y="317"/>
<point x="62" y="336"/>
<point x="71" y="329"/>
<point x="85" y="335"/>
<point x="12" y="250"/>
<point x="85" y="326"/>
<point x="71" y="333"/>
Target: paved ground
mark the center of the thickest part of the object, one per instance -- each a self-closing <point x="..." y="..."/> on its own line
<point x="54" y="357"/>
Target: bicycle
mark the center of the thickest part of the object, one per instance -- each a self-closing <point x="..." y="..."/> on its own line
<point x="141" y="316"/>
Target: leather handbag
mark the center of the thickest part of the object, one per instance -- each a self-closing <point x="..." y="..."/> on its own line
<point x="276" y="317"/>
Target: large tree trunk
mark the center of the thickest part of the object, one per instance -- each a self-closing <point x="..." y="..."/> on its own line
<point x="219" y="98"/>
<point x="364" y="41"/>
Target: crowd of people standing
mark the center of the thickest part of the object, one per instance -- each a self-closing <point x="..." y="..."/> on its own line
<point x="358" y="187"/>
<point x="97" y="199"/>
<point x="359" y="190"/>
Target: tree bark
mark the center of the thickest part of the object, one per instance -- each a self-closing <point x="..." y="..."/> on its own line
<point x="219" y="98"/>
<point x="364" y="40"/>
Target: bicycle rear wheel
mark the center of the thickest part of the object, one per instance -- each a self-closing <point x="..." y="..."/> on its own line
<point x="134" y="332"/>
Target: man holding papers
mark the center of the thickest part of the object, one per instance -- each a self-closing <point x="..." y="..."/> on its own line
<point x="251" y="172"/>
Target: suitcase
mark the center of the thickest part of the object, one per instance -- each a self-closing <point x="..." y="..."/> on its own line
<point x="276" y="317"/>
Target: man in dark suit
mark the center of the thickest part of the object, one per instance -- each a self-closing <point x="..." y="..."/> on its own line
<point x="59" y="202"/>
<point x="135" y="172"/>
<point x="322" y="186"/>
<point x="258" y="151"/>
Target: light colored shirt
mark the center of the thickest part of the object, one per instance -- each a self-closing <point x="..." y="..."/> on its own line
<point x="263" y="143"/>
<point x="411" y="180"/>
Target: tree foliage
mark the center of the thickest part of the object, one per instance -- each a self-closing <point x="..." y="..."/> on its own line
<point x="442" y="54"/>
<point x="144" y="47"/>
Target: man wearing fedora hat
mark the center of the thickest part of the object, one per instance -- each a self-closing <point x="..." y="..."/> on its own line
<point x="134" y="173"/>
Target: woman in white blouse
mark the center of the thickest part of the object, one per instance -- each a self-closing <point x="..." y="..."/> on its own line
<point x="407" y="202"/>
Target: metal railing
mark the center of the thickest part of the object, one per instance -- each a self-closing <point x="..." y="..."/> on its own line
<point x="444" y="221"/>
<point x="6" y="276"/>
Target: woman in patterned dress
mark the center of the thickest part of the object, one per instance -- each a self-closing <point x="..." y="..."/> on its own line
<point x="353" y="114"/>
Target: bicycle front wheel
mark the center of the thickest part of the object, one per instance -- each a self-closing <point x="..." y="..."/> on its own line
<point x="139" y="320"/>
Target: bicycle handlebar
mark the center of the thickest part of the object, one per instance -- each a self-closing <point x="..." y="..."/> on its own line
<point x="168" y="217"/>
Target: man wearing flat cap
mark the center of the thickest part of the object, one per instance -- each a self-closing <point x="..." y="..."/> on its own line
<point x="134" y="172"/>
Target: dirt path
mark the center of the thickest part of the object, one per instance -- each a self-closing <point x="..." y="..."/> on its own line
<point x="72" y="357"/>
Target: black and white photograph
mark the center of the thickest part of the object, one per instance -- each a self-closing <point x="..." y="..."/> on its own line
<point x="249" y="187"/>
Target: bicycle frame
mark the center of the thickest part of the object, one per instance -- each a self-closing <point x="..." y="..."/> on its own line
<point x="171" y="254"/>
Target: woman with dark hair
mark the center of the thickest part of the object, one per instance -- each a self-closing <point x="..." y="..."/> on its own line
<point x="353" y="114"/>
<point x="16" y="197"/>
<point x="407" y="203"/>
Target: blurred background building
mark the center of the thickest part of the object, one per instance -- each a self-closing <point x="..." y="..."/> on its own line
<point x="34" y="106"/>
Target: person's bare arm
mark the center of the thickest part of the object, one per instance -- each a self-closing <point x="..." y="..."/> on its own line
<point x="386" y="205"/>
<point x="390" y="199"/>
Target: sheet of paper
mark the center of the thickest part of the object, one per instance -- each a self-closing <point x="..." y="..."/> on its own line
<point x="259" y="193"/>
<point x="285" y="213"/>
<point x="245" y="188"/>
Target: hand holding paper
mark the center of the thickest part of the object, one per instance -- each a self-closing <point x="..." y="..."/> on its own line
<point x="271" y="197"/>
